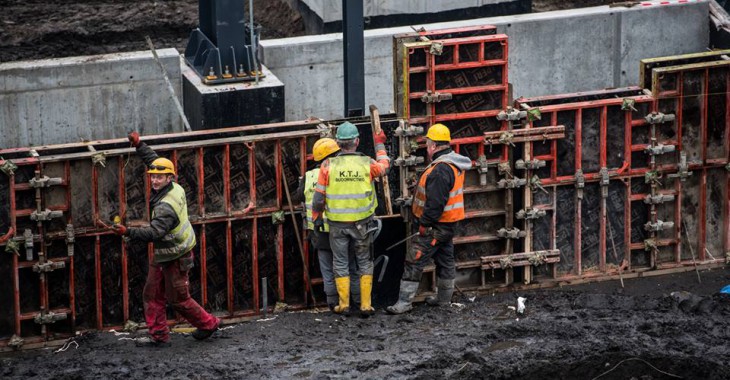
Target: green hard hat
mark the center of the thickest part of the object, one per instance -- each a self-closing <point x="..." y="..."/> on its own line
<point x="347" y="131"/>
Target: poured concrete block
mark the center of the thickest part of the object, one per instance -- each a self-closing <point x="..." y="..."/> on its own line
<point x="230" y="105"/>
<point x="325" y="16"/>
<point x="65" y="100"/>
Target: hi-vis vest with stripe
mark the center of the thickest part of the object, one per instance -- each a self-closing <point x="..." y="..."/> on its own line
<point x="350" y="194"/>
<point x="310" y="181"/>
<point x="454" y="209"/>
<point x="180" y="239"/>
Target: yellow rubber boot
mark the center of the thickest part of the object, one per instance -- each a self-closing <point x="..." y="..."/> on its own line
<point x="343" y="291"/>
<point x="366" y="290"/>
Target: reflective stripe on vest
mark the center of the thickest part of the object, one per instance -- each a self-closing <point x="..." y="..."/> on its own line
<point x="350" y="194"/>
<point x="180" y="239"/>
<point x="310" y="182"/>
<point x="454" y="208"/>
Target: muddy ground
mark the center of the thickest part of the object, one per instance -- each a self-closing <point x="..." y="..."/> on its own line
<point x="582" y="332"/>
<point x="38" y="29"/>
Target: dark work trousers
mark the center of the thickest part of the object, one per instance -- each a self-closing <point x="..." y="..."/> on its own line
<point x="420" y="253"/>
<point x="168" y="282"/>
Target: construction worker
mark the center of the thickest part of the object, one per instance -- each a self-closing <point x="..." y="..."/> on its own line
<point x="174" y="239"/>
<point x="319" y="238"/>
<point x="438" y="203"/>
<point x="345" y="195"/>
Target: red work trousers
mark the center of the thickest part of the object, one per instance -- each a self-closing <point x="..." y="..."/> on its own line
<point x="168" y="282"/>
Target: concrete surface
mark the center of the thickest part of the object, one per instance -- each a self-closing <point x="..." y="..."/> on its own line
<point x="94" y="97"/>
<point x="550" y="53"/>
<point x="233" y="104"/>
<point x="331" y="10"/>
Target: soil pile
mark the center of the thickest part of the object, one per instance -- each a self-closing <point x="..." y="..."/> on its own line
<point x="655" y="328"/>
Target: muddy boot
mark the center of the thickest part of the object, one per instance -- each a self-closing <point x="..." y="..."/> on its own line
<point x="408" y="290"/>
<point x="200" y="334"/>
<point x="444" y="291"/>
<point x="343" y="290"/>
<point x="366" y="290"/>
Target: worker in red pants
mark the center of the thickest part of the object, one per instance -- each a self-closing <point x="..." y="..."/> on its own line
<point x="173" y="238"/>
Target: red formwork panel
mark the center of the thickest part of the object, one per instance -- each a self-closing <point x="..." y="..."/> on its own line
<point x="67" y="271"/>
<point x="697" y="95"/>
<point x="586" y="176"/>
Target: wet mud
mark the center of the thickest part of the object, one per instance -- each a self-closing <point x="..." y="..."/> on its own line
<point x="662" y="327"/>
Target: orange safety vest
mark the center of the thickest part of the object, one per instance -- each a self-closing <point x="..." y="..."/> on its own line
<point x="454" y="209"/>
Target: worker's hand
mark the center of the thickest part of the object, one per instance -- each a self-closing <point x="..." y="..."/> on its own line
<point x="424" y="231"/>
<point x="319" y="224"/>
<point x="120" y="230"/>
<point x="133" y="138"/>
<point x="379" y="138"/>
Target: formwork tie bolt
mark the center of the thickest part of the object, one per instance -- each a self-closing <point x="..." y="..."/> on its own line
<point x="99" y="159"/>
<point x="12" y="246"/>
<point x="628" y="105"/>
<point x="16" y="342"/>
<point x="506" y="138"/>
<point x="537" y="259"/>
<point x="506" y="262"/>
<point x="8" y="167"/>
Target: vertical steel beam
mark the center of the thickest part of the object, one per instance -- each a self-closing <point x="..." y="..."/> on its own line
<point x="354" y="57"/>
<point x="578" y="200"/>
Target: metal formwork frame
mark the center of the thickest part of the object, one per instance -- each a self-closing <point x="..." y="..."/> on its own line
<point x="234" y="181"/>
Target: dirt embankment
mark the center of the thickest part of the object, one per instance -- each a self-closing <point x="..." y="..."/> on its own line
<point x="595" y="331"/>
<point x="38" y="29"/>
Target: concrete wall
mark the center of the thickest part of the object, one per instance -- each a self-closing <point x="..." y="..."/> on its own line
<point x="331" y="10"/>
<point x="550" y="53"/>
<point x="96" y="97"/>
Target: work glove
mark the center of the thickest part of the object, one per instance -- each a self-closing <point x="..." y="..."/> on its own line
<point x="379" y="138"/>
<point x="319" y="224"/>
<point x="133" y="139"/>
<point x="120" y="230"/>
<point x="424" y="231"/>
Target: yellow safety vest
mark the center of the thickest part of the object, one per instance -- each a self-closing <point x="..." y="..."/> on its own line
<point x="181" y="239"/>
<point x="350" y="194"/>
<point x="310" y="181"/>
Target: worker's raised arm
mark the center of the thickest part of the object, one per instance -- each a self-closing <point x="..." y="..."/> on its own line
<point x="379" y="167"/>
<point x="147" y="154"/>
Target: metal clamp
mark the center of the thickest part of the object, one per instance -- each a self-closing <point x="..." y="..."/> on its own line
<point x="658" y="199"/>
<point x="70" y="239"/>
<point x="408" y="161"/>
<point x="659" y="225"/>
<point x="504" y="168"/>
<point x="530" y="214"/>
<point x="506" y="138"/>
<point x="650" y="245"/>
<point x="506" y="262"/>
<point x="408" y="131"/>
<point x="659" y="149"/>
<point x="653" y="177"/>
<point x="538" y="258"/>
<point x="682" y="168"/>
<point x="49" y="317"/>
<point x="513" y="183"/>
<point x="530" y="164"/>
<point x="44" y="181"/>
<point x="437" y="48"/>
<point x="511" y="114"/>
<point x="403" y="202"/>
<point x="16" y="342"/>
<point x="435" y="97"/>
<point x="658" y="118"/>
<point x="605" y="181"/>
<point x="628" y="104"/>
<point x="580" y="183"/>
<point x="28" y="237"/>
<point x="536" y="184"/>
<point x="511" y="233"/>
<point x="42" y="216"/>
<point x="49" y="266"/>
<point x="8" y="167"/>
<point x="482" y="168"/>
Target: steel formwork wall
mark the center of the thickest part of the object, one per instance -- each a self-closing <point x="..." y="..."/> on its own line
<point x="71" y="272"/>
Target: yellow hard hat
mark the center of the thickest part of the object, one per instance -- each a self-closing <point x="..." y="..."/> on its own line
<point x="323" y="148"/>
<point x="161" y="166"/>
<point x="439" y="132"/>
